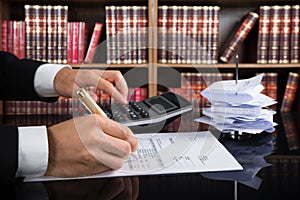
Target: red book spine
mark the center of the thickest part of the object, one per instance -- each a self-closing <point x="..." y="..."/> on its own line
<point x="4" y="25"/>
<point x="91" y="51"/>
<point x="295" y="34"/>
<point x="10" y="35"/>
<point x="70" y="43"/>
<point x="22" y="40"/>
<point x="75" y="31"/>
<point x="290" y="92"/>
<point x="16" y="38"/>
<point x="82" y="41"/>
<point x="239" y="37"/>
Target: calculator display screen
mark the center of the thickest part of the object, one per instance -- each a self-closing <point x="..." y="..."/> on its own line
<point x="160" y="104"/>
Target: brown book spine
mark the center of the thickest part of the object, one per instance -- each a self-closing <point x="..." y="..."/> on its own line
<point x="62" y="23"/>
<point x="110" y="32"/>
<point x="172" y="34"/>
<point x="91" y="51"/>
<point x="290" y="92"/>
<point x="52" y="33"/>
<point x="274" y="39"/>
<point x="41" y="32"/>
<point x="30" y="31"/>
<point x="263" y="34"/>
<point x="295" y="34"/>
<point x="214" y="48"/>
<point x="239" y="36"/>
<point x="162" y="34"/>
<point x="285" y="31"/>
<point x="204" y="57"/>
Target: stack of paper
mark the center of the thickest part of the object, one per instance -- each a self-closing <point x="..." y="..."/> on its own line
<point x="238" y="106"/>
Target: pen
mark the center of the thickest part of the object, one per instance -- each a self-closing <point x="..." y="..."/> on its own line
<point x="89" y="103"/>
<point x="236" y="70"/>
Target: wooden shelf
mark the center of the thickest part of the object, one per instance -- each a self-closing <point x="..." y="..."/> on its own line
<point x="232" y="65"/>
<point x="108" y="66"/>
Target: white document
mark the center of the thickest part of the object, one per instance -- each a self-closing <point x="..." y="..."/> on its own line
<point x="228" y="91"/>
<point x="170" y="153"/>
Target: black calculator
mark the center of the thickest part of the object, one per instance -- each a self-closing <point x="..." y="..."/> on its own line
<point x="145" y="115"/>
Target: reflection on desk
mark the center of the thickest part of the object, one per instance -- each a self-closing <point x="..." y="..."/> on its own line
<point x="250" y="154"/>
<point x="113" y="188"/>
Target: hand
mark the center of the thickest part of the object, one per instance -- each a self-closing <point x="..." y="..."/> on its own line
<point x="67" y="81"/>
<point x="104" y="189"/>
<point x="88" y="145"/>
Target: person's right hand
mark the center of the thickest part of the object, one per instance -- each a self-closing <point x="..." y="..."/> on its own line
<point x="88" y="145"/>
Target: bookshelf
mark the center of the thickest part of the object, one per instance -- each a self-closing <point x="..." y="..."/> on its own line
<point x="231" y="13"/>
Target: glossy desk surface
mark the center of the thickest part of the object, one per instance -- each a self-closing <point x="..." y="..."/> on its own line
<point x="270" y="161"/>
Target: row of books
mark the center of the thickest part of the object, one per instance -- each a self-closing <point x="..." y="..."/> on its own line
<point x="13" y="40"/>
<point x="278" y="35"/>
<point x="126" y="34"/>
<point x="66" y="106"/>
<point x="188" y="34"/>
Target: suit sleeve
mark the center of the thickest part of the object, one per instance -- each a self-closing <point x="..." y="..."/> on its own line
<point x="17" y="78"/>
<point x="8" y="153"/>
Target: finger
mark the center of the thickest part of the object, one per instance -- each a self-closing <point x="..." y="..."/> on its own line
<point x="108" y="87"/>
<point x="110" y="160"/>
<point x="117" y="130"/>
<point x="119" y="80"/>
<point x="118" y="147"/>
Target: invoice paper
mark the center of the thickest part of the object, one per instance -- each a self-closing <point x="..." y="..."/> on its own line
<point x="170" y="153"/>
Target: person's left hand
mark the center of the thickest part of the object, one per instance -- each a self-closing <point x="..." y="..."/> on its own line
<point x="68" y="80"/>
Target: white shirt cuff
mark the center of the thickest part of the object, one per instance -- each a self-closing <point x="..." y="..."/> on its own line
<point x="33" y="151"/>
<point x="44" y="79"/>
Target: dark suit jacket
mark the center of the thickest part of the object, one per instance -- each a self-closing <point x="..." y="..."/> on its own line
<point x="16" y="83"/>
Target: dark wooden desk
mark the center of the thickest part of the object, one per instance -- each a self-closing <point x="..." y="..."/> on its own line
<point x="279" y="180"/>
